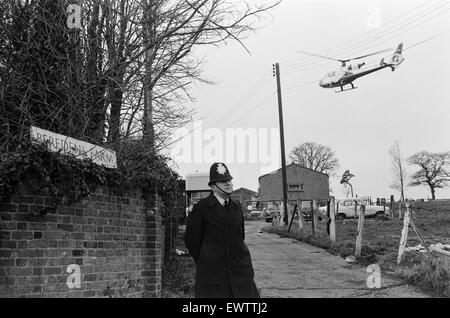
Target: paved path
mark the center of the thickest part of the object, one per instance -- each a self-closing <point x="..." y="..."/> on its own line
<point x="288" y="268"/>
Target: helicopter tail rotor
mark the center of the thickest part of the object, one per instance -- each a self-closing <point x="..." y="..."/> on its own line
<point x="395" y="59"/>
<point x="399" y="49"/>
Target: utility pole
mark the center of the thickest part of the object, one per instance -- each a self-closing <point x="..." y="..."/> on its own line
<point x="276" y="72"/>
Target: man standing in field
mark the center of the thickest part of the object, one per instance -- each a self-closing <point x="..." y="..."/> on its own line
<point x="215" y="239"/>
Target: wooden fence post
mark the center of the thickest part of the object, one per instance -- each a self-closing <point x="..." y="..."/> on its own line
<point x="328" y="217"/>
<point x="294" y="209"/>
<point x="274" y="220"/>
<point x="315" y="215"/>
<point x="313" y="228"/>
<point x="281" y="220"/>
<point x="337" y="207"/>
<point x="332" y="220"/>
<point x="360" y="231"/>
<point x="301" y="222"/>
<point x="391" y="206"/>
<point x="356" y="210"/>
<point x="404" y="238"/>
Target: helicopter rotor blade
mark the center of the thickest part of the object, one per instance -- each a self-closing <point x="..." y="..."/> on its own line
<point x="321" y="56"/>
<point x="360" y="57"/>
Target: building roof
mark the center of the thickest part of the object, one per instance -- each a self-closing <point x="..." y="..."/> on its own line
<point x="245" y="189"/>
<point x="292" y="163"/>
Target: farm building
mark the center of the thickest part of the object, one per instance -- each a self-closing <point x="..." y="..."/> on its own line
<point x="302" y="184"/>
<point x="243" y="196"/>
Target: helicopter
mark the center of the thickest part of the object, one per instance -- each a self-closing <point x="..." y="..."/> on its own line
<point x="348" y="73"/>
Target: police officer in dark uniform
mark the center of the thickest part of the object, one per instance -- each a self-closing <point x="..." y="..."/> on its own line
<point x="215" y="239"/>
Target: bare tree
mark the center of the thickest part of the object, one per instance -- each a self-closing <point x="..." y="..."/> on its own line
<point x="171" y="29"/>
<point x="433" y="170"/>
<point x="124" y="75"/>
<point x="345" y="180"/>
<point x="316" y="157"/>
<point x="398" y="170"/>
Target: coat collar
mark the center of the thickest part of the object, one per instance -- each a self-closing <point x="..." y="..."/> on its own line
<point x="212" y="200"/>
<point x="215" y="205"/>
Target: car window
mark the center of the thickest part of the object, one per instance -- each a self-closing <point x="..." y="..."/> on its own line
<point x="348" y="203"/>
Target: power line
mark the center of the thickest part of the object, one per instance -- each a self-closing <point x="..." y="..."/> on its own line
<point x="246" y="114"/>
<point x="367" y="46"/>
<point x="365" y="34"/>
<point x="373" y="63"/>
<point x="294" y="68"/>
<point x="260" y="104"/>
<point x="426" y="40"/>
<point x="312" y="82"/>
<point x="184" y="136"/>
<point x="249" y="96"/>
<point x="252" y="110"/>
<point x="301" y="85"/>
<point x="374" y="44"/>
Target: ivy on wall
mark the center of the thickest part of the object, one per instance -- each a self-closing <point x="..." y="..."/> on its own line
<point x="66" y="179"/>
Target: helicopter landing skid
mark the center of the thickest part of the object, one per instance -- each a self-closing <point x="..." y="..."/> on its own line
<point x="347" y="89"/>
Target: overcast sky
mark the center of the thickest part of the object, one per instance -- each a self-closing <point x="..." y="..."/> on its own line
<point x="410" y="105"/>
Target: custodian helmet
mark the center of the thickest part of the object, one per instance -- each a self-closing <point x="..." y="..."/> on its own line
<point x="219" y="173"/>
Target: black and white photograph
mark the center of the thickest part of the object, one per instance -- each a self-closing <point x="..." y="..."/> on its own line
<point x="219" y="156"/>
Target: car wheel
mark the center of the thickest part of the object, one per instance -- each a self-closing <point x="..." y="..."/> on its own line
<point x="340" y="216"/>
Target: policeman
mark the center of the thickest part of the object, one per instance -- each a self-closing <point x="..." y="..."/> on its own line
<point x="215" y="239"/>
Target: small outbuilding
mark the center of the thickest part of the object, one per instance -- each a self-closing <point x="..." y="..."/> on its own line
<point x="245" y="197"/>
<point x="302" y="184"/>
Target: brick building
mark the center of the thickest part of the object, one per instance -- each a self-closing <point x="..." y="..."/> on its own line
<point x="243" y="195"/>
<point x="302" y="184"/>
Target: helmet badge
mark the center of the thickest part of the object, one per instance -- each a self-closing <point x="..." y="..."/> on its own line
<point x="221" y="169"/>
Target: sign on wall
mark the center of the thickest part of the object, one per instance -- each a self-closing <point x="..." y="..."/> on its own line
<point x="79" y="149"/>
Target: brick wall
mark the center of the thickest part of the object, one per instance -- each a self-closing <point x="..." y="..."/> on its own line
<point x="113" y="236"/>
<point x="315" y="184"/>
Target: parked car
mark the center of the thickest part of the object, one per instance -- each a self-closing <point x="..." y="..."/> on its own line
<point x="269" y="215"/>
<point x="347" y="209"/>
<point x="256" y="213"/>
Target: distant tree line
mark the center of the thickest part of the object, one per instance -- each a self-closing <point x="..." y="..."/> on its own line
<point x="434" y="168"/>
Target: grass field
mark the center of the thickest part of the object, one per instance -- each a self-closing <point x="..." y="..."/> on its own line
<point x="381" y="240"/>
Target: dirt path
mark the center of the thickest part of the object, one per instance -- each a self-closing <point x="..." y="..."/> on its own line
<point x="288" y="268"/>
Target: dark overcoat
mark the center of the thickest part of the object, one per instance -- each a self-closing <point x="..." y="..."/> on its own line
<point x="215" y="239"/>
